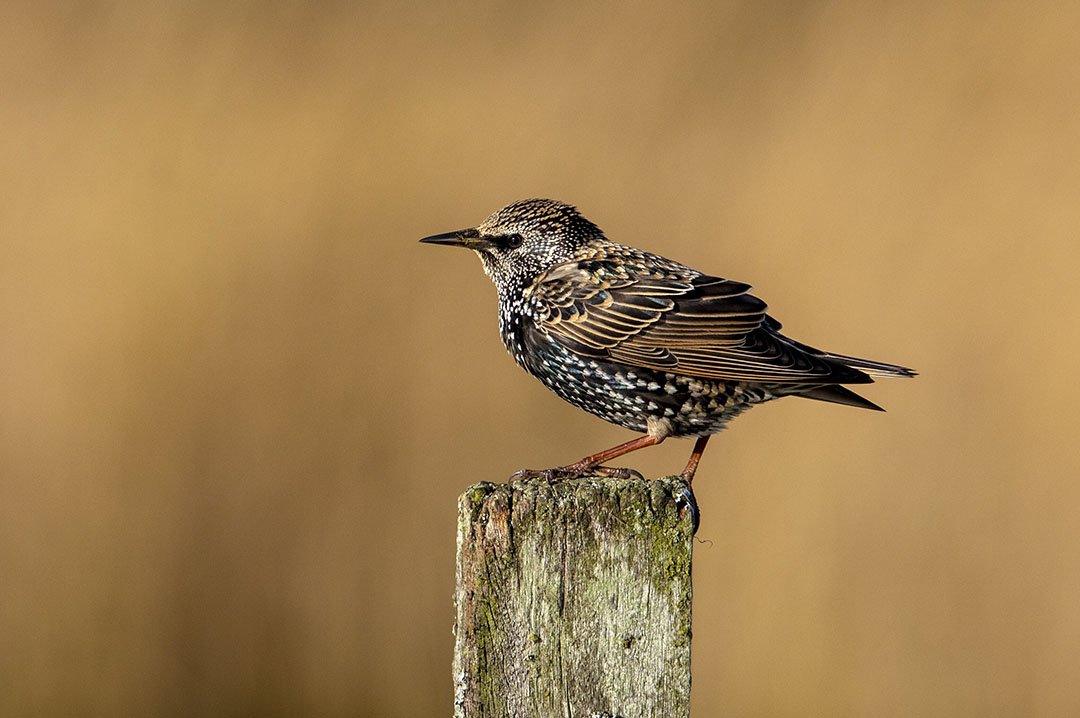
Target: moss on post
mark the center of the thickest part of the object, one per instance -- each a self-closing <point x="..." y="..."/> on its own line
<point x="573" y="599"/>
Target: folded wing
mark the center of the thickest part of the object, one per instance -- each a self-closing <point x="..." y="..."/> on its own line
<point x="677" y="321"/>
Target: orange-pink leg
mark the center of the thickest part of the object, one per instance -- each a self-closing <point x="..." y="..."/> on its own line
<point x="590" y="463"/>
<point x="695" y="458"/>
<point x="613" y="453"/>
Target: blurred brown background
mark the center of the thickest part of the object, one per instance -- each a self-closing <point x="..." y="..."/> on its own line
<point x="239" y="400"/>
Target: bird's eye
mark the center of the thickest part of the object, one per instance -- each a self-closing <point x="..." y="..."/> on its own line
<point x="513" y="241"/>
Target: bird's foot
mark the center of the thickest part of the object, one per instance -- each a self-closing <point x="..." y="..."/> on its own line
<point x="557" y="473"/>
<point x="574" y="471"/>
<point x="617" y="472"/>
<point x="686" y="502"/>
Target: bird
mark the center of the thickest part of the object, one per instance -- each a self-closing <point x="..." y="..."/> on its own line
<point x="642" y="341"/>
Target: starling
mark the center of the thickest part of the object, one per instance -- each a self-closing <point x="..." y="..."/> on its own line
<point x="640" y="340"/>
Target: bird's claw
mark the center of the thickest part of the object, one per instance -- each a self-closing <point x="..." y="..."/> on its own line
<point x="685" y="501"/>
<point x="564" y="473"/>
<point x="617" y="472"/>
<point x="557" y="473"/>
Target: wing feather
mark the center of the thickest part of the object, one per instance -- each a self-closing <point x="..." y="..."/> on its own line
<point x="673" y="319"/>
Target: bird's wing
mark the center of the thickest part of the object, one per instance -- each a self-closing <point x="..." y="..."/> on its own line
<point x="671" y="319"/>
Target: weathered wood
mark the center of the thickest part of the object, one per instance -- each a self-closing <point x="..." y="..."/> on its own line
<point x="573" y="599"/>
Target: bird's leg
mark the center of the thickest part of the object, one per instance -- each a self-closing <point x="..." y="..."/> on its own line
<point x="594" y="461"/>
<point x="685" y="499"/>
<point x="590" y="463"/>
<point x="695" y="458"/>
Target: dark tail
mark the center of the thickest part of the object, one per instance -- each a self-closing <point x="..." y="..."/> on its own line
<point x="873" y="368"/>
<point x="837" y="394"/>
<point x="841" y="395"/>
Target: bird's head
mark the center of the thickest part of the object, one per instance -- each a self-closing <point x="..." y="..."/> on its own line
<point x="524" y="239"/>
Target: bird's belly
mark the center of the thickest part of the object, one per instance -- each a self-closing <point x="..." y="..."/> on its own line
<point x="628" y="396"/>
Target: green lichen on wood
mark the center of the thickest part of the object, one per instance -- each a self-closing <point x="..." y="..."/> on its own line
<point x="573" y="598"/>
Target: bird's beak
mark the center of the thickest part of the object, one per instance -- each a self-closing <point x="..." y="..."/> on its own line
<point x="462" y="238"/>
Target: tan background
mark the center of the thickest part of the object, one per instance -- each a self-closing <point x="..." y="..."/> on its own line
<point x="238" y="400"/>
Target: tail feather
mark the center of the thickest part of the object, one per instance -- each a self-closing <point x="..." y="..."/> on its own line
<point x="837" y="394"/>
<point x="873" y="368"/>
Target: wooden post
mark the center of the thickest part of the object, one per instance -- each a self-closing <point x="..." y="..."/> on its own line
<point x="573" y="599"/>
